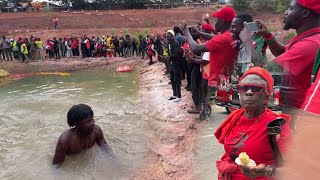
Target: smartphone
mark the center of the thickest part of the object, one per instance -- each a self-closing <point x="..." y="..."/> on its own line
<point x="253" y="26"/>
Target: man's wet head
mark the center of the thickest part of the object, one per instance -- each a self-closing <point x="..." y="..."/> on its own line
<point x="224" y="18"/>
<point x="81" y="117"/>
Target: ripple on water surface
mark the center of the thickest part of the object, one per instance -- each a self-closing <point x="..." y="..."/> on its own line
<point x="33" y="116"/>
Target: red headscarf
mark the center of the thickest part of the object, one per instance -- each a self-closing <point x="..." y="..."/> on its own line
<point x="263" y="73"/>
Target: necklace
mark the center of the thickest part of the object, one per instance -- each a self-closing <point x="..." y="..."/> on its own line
<point x="244" y="132"/>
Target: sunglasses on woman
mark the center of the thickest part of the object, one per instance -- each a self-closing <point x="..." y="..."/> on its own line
<point x="255" y="88"/>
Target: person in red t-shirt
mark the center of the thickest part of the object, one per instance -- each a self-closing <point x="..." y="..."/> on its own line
<point x="55" y="21"/>
<point x="222" y="48"/>
<point x="245" y="130"/>
<point x="298" y="56"/>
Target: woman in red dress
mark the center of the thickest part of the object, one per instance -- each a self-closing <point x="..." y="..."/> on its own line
<point x="245" y="130"/>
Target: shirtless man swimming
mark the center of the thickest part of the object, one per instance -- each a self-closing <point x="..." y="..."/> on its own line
<point x="83" y="134"/>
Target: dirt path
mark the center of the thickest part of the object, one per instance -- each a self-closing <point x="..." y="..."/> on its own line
<point x="173" y="133"/>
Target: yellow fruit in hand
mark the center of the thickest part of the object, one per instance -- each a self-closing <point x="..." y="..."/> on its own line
<point x="244" y="158"/>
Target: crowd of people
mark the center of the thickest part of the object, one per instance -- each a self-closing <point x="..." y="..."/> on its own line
<point x="33" y="48"/>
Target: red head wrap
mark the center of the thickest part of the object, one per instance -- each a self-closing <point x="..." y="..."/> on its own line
<point x="263" y="73"/>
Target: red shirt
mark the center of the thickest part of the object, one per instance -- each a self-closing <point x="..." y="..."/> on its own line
<point x="223" y="55"/>
<point x="298" y="60"/>
<point x="255" y="142"/>
<point x="312" y="101"/>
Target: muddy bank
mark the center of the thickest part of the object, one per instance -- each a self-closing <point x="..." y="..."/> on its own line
<point x="173" y="132"/>
<point x="69" y="65"/>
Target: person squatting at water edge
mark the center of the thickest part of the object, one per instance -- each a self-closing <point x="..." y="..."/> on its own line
<point x="245" y="130"/>
<point x="82" y="135"/>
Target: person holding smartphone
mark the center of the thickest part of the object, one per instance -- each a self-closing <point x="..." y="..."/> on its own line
<point x="298" y="56"/>
<point x="252" y="48"/>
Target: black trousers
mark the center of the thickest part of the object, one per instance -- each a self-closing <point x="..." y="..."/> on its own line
<point x="204" y="92"/>
<point x="175" y="77"/>
<point x="196" y="80"/>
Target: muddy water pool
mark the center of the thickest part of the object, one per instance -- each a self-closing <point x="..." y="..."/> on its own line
<point x="33" y="115"/>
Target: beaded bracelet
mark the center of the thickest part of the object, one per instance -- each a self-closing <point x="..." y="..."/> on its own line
<point x="269" y="38"/>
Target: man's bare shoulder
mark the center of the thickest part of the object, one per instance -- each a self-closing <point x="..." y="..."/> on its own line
<point x="65" y="136"/>
<point x="97" y="130"/>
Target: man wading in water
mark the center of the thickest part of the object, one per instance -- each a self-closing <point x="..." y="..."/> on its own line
<point x="82" y="135"/>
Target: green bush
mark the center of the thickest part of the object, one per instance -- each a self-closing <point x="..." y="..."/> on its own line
<point x="281" y="5"/>
<point x="241" y="4"/>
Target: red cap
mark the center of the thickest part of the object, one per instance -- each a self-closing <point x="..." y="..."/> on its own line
<point x="313" y="5"/>
<point x="226" y="14"/>
<point x="207" y="27"/>
<point x="263" y="73"/>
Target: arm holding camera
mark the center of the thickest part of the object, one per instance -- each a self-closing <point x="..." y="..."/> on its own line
<point x="275" y="46"/>
<point x="246" y="38"/>
<point x="194" y="46"/>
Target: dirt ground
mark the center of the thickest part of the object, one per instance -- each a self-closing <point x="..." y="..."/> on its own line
<point x="115" y="22"/>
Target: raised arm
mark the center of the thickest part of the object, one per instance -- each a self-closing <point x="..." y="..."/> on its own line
<point x="195" y="47"/>
<point x="275" y="46"/>
<point x="246" y="38"/>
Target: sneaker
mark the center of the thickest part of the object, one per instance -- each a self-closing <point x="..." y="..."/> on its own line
<point x="177" y="99"/>
<point x="172" y="97"/>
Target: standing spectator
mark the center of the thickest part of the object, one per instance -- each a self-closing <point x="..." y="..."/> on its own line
<point x="116" y="46"/>
<point x="56" y="48"/>
<point x="39" y="45"/>
<point x="15" y="49"/>
<point x="2" y="55"/>
<point x="88" y="46"/>
<point x="33" y="48"/>
<point x="124" y="47"/>
<point x="49" y="49"/>
<point x="62" y="47"/>
<point x="134" y="47"/>
<point x="6" y="46"/>
<point x="55" y="21"/>
<point x="73" y="45"/>
<point x="129" y="45"/>
<point x="24" y="51"/>
<point x="142" y="46"/>
<point x="83" y="47"/>
<point x="185" y="68"/>
<point x="175" y="57"/>
<point x="19" y="47"/>
<point x="108" y="41"/>
<point x="150" y="51"/>
<point x="158" y="45"/>
<point x="28" y="44"/>
<point x="68" y="44"/>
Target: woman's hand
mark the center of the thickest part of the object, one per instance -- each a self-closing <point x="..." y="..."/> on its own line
<point x="254" y="172"/>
